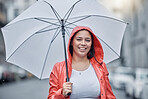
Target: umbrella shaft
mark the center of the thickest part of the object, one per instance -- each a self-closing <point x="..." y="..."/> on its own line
<point x="63" y="34"/>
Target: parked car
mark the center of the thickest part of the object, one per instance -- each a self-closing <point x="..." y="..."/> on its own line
<point x="121" y="76"/>
<point x="19" y="72"/>
<point x="5" y="74"/>
<point x="22" y="73"/>
<point x="2" y="70"/>
<point x="135" y="87"/>
<point x="145" y="91"/>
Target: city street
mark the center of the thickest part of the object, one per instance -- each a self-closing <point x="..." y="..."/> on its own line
<point x="25" y="89"/>
<point x="120" y="94"/>
<point x="34" y="89"/>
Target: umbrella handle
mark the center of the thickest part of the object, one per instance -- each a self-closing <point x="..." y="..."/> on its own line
<point x="69" y="94"/>
<point x="67" y="80"/>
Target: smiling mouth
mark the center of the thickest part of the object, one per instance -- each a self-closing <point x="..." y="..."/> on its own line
<point x="82" y="49"/>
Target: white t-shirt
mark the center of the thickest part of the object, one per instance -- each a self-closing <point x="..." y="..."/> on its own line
<point x="85" y="84"/>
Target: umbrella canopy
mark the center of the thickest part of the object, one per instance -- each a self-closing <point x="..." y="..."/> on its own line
<point x="33" y="40"/>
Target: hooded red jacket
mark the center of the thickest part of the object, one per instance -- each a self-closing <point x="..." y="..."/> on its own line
<point x="58" y="74"/>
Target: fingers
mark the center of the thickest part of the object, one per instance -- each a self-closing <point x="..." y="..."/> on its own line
<point x="67" y="88"/>
<point x="67" y="85"/>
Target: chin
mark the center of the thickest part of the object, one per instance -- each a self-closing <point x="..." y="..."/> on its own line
<point x="83" y="55"/>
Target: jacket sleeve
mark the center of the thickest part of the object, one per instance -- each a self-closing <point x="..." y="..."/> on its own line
<point x="109" y="92"/>
<point x="54" y="91"/>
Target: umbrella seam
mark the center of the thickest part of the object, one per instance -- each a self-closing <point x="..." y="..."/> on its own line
<point x="108" y="46"/>
<point x="27" y="19"/>
<point x="46" y="30"/>
<point x="46" y="21"/>
<point x="99" y="16"/>
<point x="19" y="47"/>
<point x="77" y="20"/>
<point x="70" y="10"/>
<point x="54" y="37"/>
<point x="67" y="32"/>
<point x="55" y="12"/>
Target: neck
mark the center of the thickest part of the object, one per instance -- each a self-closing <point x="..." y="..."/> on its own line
<point x="79" y="63"/>
<point x="79" y="59"/>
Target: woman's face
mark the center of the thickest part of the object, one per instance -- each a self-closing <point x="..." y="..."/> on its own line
<point x="81" y="43"/>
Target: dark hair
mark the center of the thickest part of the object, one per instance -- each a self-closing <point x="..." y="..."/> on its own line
<point x="91" y="53"/>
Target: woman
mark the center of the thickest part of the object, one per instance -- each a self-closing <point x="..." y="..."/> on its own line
<point x="87" y="71"/>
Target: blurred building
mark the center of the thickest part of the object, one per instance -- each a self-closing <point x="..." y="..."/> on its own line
<point x="2" y="23"/>
<point x="2" y="14"/>
<point x="135" y="43"/>
<point x="9" y="9"/>
<point x="15" y="7"/>
<point x="135" y="49"/>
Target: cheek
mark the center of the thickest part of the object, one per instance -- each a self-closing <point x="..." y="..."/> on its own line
<point x="89" y="44"/>
<point x="75" y="43"/>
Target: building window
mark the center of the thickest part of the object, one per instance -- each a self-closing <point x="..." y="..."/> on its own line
<point x="16" y="12"/>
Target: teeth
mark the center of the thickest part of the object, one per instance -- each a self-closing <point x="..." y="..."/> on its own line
<point x="82" y="48"/>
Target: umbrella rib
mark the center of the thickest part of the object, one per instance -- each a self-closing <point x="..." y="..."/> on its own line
<point x="23" y="20"/>
<point x="111" y="18"/>
<point x="45" y="61"/>
<point x="55" y="12"/>
<point x="70" y="11"/>
<point x="46" y="30"/>
<point x="56" y="34"/>
<point x="19" y="47"/>
<point x="108" y="46"/>
<point x="67" y="32"/>
<point x="78" y="20"/>
<point x="72" y="24"/>
<point x="71" y="27"/>
<point x="42" y="30"/>
<point x="47" y="18"/>
<point x="99" y="16"/>
<point x="46" y="21"/>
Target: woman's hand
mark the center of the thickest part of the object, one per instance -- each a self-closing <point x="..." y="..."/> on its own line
<point x="67" y="88"/>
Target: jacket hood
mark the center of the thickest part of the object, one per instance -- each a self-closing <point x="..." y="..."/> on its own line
<point x="99" y="54"/>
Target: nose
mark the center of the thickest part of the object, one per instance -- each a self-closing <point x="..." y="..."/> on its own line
<point x="83" y="42"/>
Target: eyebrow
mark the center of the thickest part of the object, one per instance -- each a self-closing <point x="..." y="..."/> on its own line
<point x="85" y="38"/>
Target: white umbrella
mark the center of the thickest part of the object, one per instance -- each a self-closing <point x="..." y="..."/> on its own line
<point x="33" y="40"/>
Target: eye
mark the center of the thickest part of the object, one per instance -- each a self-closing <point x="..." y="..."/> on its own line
<point x="87" y="40"/>
<point x="78" y="39"/>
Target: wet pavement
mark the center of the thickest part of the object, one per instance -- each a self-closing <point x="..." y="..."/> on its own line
<point x="35" y="89"/>
<point x="25" y="89"/>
